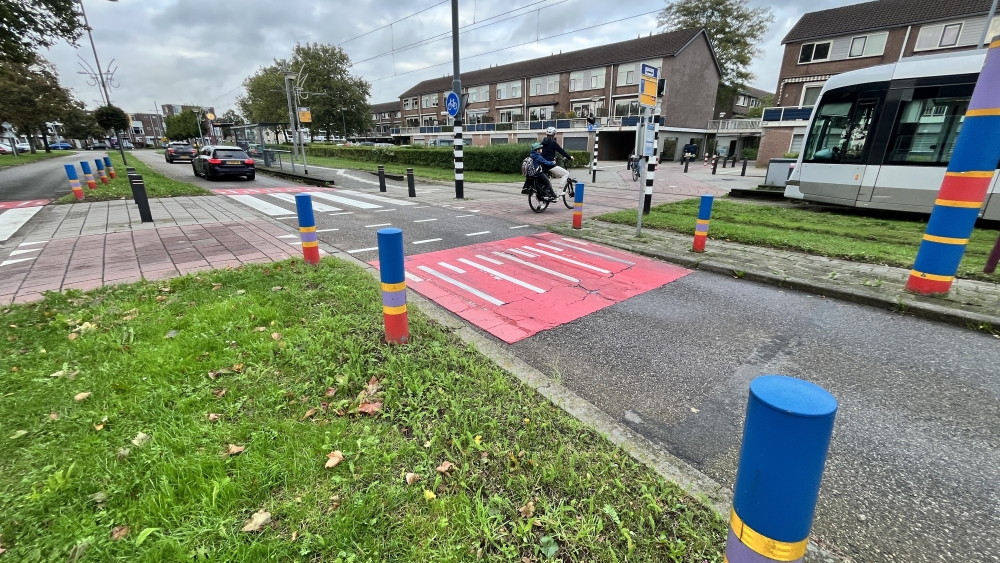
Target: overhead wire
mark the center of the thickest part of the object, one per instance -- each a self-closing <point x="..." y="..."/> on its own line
<point x="392" y="23"/>
<point x="536" y="40"/>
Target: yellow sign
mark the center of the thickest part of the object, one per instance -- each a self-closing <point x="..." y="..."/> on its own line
<point x="210" y="116"/>
<point x="647" y="92"/>
<point x="305" y="116"/>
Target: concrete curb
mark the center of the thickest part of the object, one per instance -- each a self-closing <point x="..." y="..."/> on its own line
<point x="319" y="182"/>
<point x="967" y="319"/>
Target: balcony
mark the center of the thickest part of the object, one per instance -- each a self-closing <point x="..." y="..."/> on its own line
<point x="561" y="124"/>
<point x="792" y="113"/>
<point x="738" y="126"/>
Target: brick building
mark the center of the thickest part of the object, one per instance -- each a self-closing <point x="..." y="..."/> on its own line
<point x="385" y="117"/>
<point x="145" y="129"/>
<point x="829" y="42"/>
<point x="514" y="103"/>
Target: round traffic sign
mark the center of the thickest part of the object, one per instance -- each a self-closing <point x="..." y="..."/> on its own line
<point x="452" y="103"/>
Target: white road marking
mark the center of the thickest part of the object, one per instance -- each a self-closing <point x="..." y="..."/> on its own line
<point x="537" y="267"/>
<point x="356" y="250"/>
<point x="520" y="226"/>
<point x="288" y="217"/>
<point x="297" y="243"/>
<point x="15" y="261"/>
<point x="521" y="252"/>
<point x="458" y="208"/>
<point x="326" y="230"/>
<point x="342" y="213"/>
<point x="424" y="220"/>
<point x="549" y="247"/>
<point x="289" y="236"/>
<point x="574" y="241"/>
<point x="461" y="285"/>
<point x="425" y="241"/>
<point x="477" y="234"/>
<point x="31" y="243"/>
<point x="502" y="276"/>
<point x="452" y="268"/>
<point x="379" y="225"/>
<point x="261" y="205"/>
<point x="421" y="206"/>
<point x="374" y="197"/>
<point x="317" y="206"/>
<point x="457" y="216"/>
<point x="16" y="252"/>
<point x="415" y="278"/>
<point x="13" y="219"/>
<point x="564" y="259"/>
<point x="383" y="210"/>
<point x="474" y="211"/>
<point x="345" y="201"/>
<point x="488" y="259"/>
<point x="605" y="256"/>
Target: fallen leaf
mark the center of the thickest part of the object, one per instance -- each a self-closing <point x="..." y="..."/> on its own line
<point x="99" y="497"/>
<point x="528" y="510"/>
<point x="216" y="286"/>
<point x="86" y="327"/>
<point x="59" y="373"/>
<point x="81" y="396"/>
<point x="73" y="336"/>
<point x="1" y="547"/>
<point x="161" y="298"/>
<point x="54" y="416"/>
<point x="123" y="453"/>
<point x="341" y="412"/>
<point x="427" y="444"/>
<point x="334" y="458"/>
<point x="214" y="417"/>
<point x="331" y="391"/>
<point x="694" y="410"/>
<point x="478" y="440"/>
<point x="213" y="374"/>
<point x="233" y="449"/>
<point x="429" y="495"/>
<point x="219" y="392"/>
<point x="411" y="478"/>
<point x="18" y="434"/>
<point x="238" y="368"/>
<point x="373" y="386"/>
<point x="309" y="414"/>
<point x="119" y="532"/>
<point x="294" y="535"/>
<point x="257" y="522"/>
<point x="131" y="315"/>
<point x="261" y="328"/>
<point x="171" y="334"/>
<point x="13" y="369"/>
<point x="445" y="467"/>
<point x="275" y="336"/>
<point x="277" y="288"/>
<point x="370" y="408"/>
<point x="11" y="338"/>
<point x="241" y="292"/>
<point x="140" y="439"/>
<point x="72" y="375"/>
<point x="99" y="427"/>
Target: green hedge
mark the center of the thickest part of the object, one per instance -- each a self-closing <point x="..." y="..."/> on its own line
<point x="495" y="158"/>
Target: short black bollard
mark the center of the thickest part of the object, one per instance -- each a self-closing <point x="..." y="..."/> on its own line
<point x="686" y="162"/>
<point x="409" y="182"/>
<point x="724" y="159"/>
<point x="381" y="178"/>
<point x="129" y="170"/>
<point x="139" y="195"/>
<point x="715" y="165"/>
<point x="744" y="172"/>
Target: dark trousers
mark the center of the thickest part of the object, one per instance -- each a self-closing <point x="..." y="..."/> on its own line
<point x="541" y="182"/>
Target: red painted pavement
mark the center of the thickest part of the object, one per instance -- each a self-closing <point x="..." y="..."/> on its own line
<point x="26" y="203"/>
<point x="512" y="312"/>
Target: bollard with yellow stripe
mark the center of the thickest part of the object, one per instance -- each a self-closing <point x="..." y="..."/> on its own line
<point x="578" y="206"/>
<point x="963" y="191"/>
<point x="74" y="181"/>
<point x="110" y="167"/>
<point x="393" y="274"/>
<point x="307" y="228"/>
<point x="704" y="216"/>
<point x="786" y="437"/>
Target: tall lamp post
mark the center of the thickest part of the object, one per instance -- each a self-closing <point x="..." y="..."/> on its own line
<point x="100" y="75"/>
<point x="718" y="131"/>
<point x="344" y="123"/>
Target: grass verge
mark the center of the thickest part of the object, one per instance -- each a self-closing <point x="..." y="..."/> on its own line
<point x="157" y="185"/>
<point x="8" y="160"/>
<point x="150" y="422"/>
<point x="429" y="172"/>
<point x="825" y="232"/>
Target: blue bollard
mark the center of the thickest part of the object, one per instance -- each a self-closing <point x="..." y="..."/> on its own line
<point x="578" y="206"/>
<point x="786" y="437"/>
<point x="307" y="228"/>
<point x="393" y="274"/>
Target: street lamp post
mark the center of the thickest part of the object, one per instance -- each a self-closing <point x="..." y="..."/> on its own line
<point x="718" y="131"/>
<point x="100" y="76"/>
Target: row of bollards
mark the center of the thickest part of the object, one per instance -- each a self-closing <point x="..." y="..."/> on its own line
<point x="106" y="173"/>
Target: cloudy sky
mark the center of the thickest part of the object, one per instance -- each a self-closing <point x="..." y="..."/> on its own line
<point x="199" y="52"/>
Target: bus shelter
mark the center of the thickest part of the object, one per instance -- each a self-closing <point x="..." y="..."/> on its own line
<point x="256" y="136"/>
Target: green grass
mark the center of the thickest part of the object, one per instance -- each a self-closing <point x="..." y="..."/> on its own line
<point x="839" y="234"/>
<point x="429" y="172"/>
<point x="294" y="363"/>
<point x="8" y="160"/>
<point x="157" y="185"/>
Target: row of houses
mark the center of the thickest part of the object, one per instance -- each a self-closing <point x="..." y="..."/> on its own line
<point x="513" y="103"/>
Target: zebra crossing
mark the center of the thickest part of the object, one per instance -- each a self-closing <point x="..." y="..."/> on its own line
<point x="282" y="204"/>
<point x="11" y="220"/>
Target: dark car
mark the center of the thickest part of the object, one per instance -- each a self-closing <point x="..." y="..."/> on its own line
<point x="99" y="147"/>
<point x="213" y="162"/>
<point x="178" y="151"/>
<point x="61" y="146"/>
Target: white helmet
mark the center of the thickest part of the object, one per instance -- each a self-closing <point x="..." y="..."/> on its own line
<point x="550" y="131"/>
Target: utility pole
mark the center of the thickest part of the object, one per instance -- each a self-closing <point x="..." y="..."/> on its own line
<point x="986" y="30"/>
<point x="456" y="86"/>
<point x="100" y="78"/>
<point x="291" y="117"/>
<point x="201" y="137"/>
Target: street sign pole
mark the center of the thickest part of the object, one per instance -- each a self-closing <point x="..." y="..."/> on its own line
<point x="456" y="87"/>
<point x="640" y="154"/>
<point x="647" y="100"/>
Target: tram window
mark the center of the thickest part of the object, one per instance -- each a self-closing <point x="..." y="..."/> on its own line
<point x="829" y="130"/>
<point x="857" y="133"/>
<point x="927" y="127"/>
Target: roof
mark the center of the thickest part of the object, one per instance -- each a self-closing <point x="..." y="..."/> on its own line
<point x="384" y="107"/>
<point x="880" y="14"/>
<point x="756" y="92"/>
<point x="658" y="45"/>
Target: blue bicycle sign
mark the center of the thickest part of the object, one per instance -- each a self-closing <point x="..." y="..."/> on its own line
<point x="452" y="103"/>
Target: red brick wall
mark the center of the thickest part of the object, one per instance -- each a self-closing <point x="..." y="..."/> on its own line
<point x="774" y="144"/>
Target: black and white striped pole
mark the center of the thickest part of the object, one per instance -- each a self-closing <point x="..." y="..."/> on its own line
<point x="651" y="164"/>
<point x="456" y="112"/>
<point x="459" y="156"/>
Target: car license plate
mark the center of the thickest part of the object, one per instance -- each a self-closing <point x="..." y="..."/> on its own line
<point x="233" y="162"/>
<point x="182" y="156"/>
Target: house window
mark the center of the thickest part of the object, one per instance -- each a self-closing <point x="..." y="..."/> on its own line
<point x="545" y="85"/>
<point x="949" y="37"/>
<point x="741" y="101"/>
<point x="810" y="94"/>
<point x="814" y="52"/>
<point x="587" y="79"/>
<point x="942" y="36"/>
<point x="858" y="46"/>
<point x="406" y="103"/>
<point x="630" y="77"/>
<point x="796" y="144"/>
<point x="541" y="113"/>
<point x="626" y="107"/>
<point x="510" y="115"/>
<point x="868" y="45"/>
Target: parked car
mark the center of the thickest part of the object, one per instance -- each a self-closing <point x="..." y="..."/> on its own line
<point x="102" y="146"/>
<point x="61" y="146"/>
<point x="178" y="150"/>
<point x="213" y="162"/>
<point x="22" y="147"/>
<point x="126" y="144"/>
<point x="5" y="149"/>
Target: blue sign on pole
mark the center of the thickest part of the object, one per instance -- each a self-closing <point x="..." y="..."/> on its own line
<point x="452" y="103"/>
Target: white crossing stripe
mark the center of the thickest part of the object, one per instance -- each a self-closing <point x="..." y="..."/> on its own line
<point x="344" y="213"/>
<point x="477" y="234"/>
<point x="261" y="205"/>
<point x="373" y="197"/>
<point x="383" y="210"/>
<point x="378" y="225"/>
<point x="564" y="259"/>
<point x="520" y="226"/>
<point x="16" y="252"/>
<point x="521" y="252"/>
<point x="12" y="220"/>
<point x="326" y="230"/>
<point x="15" y="261"/>
<point x="537" y="267"/>
<point x="425" y="241"/>
<point x="31" y="243"/>
<point x="488" y="259"/>
<point x="452" y="268"/>
<point x="424" y="220"/>
<point x="345" y="201"/>
<point x="457" y="216"/>
<point x="497" y="274"/>
<point x="549" y="247"/>
<point x="321" y="207"/>
<point x="415" y="278"/>
<point x="461" y="285"/>
<point x="289" y="236"/>
<point x="574" y="241"/>
<point x="356" y="250"/>
<point x="612" y="258"/>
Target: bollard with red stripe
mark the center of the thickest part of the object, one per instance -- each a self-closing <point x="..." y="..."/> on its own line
<point x="100" y="170"/>
<point x="74" y="181"/>
<point x="110" y="167"/>
<point x="393" y="273"/>
<point x="85" y="166"/>
<point x="701" y="230"/>
<point x="578" y="206"/>
<point x="307" y="228"/>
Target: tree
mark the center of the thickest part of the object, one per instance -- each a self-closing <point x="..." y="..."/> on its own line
<point x="264" y="100"/>
<point x="111" y="117"/>
<point x="30" y="96"/>
<point x="79" y="123"/>
<point x="182" y="126"/>
<point x="29" y="25"/>
<point x="758" y="112"/>
<point x="736" y="31"/>
<point x="232" y="116"/>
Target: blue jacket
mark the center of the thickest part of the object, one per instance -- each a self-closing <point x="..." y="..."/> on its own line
<point x="540" y="161"/>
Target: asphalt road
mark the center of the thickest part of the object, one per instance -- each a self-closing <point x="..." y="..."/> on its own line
<point x="45" y="179"/>
<point x="912" y="475"/>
